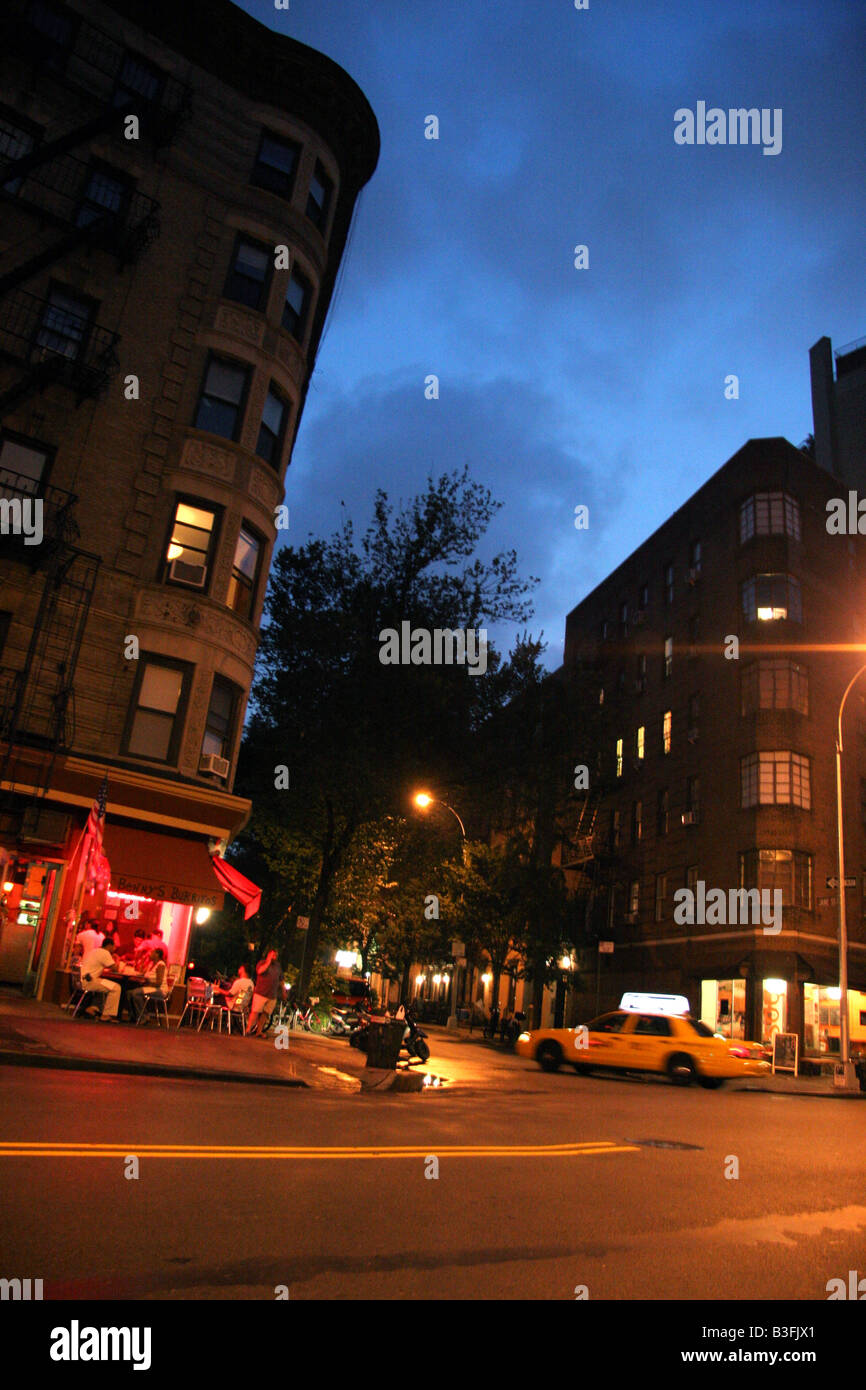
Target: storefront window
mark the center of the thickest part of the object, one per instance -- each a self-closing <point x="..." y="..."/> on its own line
<point x="723" y="1007"/>
<point x="775" y="1012"/>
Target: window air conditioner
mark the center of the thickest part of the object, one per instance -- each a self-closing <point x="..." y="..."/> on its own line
<point x="209" y="762"/>
<point x="183" y="573"/>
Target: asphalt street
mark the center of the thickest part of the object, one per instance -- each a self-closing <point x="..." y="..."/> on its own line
<point x="545" y="1186"/>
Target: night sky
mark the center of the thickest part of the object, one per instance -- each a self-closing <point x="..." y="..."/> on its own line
<point x="559" y="386"/>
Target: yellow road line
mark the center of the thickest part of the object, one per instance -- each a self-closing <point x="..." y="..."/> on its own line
<point x="36" y="1149"/>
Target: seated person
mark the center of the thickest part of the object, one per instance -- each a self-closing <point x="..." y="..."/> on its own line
<point x="88" y="937"/>
<point x="93" y="963"/>
<point x="141" y="950"/>
<point x="241" y="989"/>
<point x="157" y="983"/>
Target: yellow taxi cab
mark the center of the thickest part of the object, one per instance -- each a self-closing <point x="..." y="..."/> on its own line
<point x="647" y="1033"/>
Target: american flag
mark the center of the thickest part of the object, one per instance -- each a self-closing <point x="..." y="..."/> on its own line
<point x="96" y="820"/>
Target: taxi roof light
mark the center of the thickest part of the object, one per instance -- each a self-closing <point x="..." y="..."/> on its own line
<point x="639" y="1002"/>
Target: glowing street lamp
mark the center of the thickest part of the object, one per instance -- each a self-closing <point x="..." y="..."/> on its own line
<point x="423" y="800"/>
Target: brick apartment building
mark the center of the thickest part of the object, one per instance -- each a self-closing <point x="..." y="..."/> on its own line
<point x="155" y="352"/>
<point x="721" y="769"/>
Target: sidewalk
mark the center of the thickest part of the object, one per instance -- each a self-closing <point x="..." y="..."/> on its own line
<point x="780" y="1084"/>
<point x="37" y="1034"/>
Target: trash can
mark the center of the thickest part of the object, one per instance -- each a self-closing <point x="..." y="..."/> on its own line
<point x="383" y="1047"/>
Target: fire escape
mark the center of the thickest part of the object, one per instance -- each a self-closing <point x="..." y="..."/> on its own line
<point x="72" y="202"/>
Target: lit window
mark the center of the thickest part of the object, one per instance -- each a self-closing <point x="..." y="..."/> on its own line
<point x="273" y="428"/>
<point x="249" y="273"/>
<point x="319" y="198"/>
<point x="771" y="598"/>
<point x="156" y="714"/>
<point x="669" y="658"/>
<point x="667" y="718"/>
<point x="634" y="896"/>
<point x="640" y="741"/>
<point x="245" y="573"/>
<point x="775" y="778"/>
<point x="221" y="402"/>
<point x="636" y="819"/>
<point x="276" y="164"/>
<point x="190" y="546"/>
<point x="619" y="757"/>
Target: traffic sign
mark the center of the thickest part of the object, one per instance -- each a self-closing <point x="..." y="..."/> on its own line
<point x="834" y="883"/>
<point x="829" y="902"/>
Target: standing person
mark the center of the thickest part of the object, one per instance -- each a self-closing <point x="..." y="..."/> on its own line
<point x="157" y="983"/>
<point x="93" y="963"/>
<point x="268" y="976"/>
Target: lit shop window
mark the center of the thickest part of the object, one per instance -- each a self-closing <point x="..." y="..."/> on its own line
<point x="771" y="597"/>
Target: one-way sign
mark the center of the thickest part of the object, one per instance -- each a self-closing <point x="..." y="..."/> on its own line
<point x="834" y="883"/>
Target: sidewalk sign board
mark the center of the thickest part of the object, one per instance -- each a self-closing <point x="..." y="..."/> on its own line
<point x="785" y="1052"/>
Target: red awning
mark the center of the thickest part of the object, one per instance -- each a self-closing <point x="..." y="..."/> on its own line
<point x="241" y="888"/>
<point x="171" y="868"/>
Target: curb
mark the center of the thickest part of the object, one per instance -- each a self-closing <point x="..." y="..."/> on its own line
<point x="28" y="1059"/>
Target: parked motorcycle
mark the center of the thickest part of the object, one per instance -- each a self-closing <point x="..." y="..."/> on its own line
<point x="414" y="1038"/>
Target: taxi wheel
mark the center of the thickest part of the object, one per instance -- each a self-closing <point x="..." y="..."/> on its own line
<point x="582" y="1069"/>
<point x="549" y="1056"/>
<point x="681" y="1069"/>
<point x="711" y="1083"/>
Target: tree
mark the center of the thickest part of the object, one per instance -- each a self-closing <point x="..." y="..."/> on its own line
<point x="337" y="736"/>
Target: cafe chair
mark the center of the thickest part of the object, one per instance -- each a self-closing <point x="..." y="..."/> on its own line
<point x="79" y="994"/>
<point x="196" y="999"/>
<point x="154" y="1003"/>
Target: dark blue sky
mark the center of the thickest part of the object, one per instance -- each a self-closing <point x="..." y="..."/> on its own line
<point x="602" y="386"/>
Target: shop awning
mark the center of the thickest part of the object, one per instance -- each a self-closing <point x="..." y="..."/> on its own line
<point x="171" y="868"/>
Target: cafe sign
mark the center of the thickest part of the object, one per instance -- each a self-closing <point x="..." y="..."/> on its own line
<point x="164" y="890"/>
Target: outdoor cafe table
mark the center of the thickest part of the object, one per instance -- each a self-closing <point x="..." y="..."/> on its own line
<point x="127" y="982"/>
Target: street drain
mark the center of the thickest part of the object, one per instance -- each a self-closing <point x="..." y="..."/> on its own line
<point x="661" y="1144"/>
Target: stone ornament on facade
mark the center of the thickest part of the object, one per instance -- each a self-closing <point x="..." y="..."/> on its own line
<point x="240" y="325"/>
<point x="173" y="612"/>
<point x="265" y="487"/>
<point x="201" y="457"/>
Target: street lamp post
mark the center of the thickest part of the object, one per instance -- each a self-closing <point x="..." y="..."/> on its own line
<point x="848" y="1080"/>
<point x="422" y="800"/>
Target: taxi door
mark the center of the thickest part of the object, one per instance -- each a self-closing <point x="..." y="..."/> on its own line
<point x="649" y="1042"/>
<point x="606" y="1040"/>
